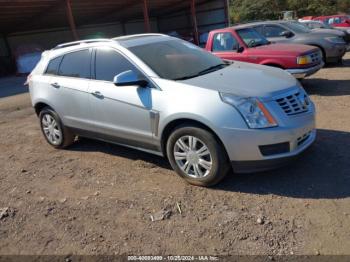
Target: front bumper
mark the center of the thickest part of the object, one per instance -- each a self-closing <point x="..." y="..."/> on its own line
<point x="243" y="167"/>
<point x="304" y="72"/>
<point x="252" y="150"/>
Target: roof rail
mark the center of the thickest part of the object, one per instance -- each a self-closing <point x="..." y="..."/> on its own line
<point x="136" y="35"/>
<point x="87" y="41"/>
<point x="248" y="22"/>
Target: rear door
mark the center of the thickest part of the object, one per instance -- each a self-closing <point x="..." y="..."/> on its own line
<point x="225" y="46"/>
<point x="120" y="113"/>
<point x="71" y="83"/>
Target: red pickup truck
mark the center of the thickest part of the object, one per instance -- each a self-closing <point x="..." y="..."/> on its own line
<point x="247" y="45"/>
<point x="338" y="21"/>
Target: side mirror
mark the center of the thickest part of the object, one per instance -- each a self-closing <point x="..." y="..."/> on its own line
<point x="240" y="49"/>
<point x="287" y="34"/>
<point x="129" y="78"/>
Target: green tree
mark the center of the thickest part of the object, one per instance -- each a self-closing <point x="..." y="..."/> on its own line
<point x="250" y="10"/>
<point x="247" y="10"/>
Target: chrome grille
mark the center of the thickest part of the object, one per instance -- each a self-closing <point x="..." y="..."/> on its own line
<point x="316" y="57"/>
<point x="294" y="104"/>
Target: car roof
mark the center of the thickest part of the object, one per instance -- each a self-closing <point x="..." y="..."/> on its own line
<point x="141" y="39"/>
<point x="124" y="41"/>
<point x="250" y="24"/>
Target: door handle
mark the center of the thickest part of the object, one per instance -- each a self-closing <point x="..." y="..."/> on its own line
<point x="55" y="85"/>
<point x="97" y="94"/>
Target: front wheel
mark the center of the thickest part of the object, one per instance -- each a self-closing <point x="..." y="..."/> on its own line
<point x="197" y="156"/>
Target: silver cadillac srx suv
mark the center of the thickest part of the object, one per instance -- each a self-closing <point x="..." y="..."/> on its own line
<point x="169" y="97"/>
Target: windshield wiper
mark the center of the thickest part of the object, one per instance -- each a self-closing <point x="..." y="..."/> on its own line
<point x="261" y="44"/>
<point x="203" y="72"/>
<point x="212" y="68"/>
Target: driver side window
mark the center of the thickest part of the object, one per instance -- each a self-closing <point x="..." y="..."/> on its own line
<point x="224" y="42"/>
<point x="273" y="31"/>
<point x="110" y="63"/>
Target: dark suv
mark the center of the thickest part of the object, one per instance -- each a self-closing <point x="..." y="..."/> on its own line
<point x="333" y="47"/>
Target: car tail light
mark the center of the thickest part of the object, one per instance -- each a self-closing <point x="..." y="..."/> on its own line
<point x="29" y="77"/>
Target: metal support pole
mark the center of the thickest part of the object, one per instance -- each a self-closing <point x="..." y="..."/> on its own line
<point x="123" y="27"/>
<point x="146" y="16"/>
<point x="194" y="22"/>
<point x="7" y="45"/>
<point x="227" y="13"/>
<point x="11" y="59"/>
<point x="71" y="20"/>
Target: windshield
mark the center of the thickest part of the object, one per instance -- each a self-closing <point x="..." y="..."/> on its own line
<point x="297" y="27"/>
<point x="176" y="59"/>
<point x="251" y="37"/>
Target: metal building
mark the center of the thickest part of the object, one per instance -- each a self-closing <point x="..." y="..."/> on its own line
<point x="25" y="24"/>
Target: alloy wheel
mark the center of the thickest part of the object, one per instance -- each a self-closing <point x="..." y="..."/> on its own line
<point x="193" y="156"/>
<point x="51" y="129"/>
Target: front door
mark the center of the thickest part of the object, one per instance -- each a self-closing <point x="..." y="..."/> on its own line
<point x="120" y="113"/>
<point x="226" y="46"/>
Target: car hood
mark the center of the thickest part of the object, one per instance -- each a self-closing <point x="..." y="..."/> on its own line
<point x="329" y="31"/>
<point x="248" y="80"/>
<point x="295" y="49"/>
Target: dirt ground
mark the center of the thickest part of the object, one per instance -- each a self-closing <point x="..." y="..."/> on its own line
<point x="97" y="198"/>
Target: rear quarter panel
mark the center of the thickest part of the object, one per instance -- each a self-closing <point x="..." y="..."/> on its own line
<point x="39" y="91"/>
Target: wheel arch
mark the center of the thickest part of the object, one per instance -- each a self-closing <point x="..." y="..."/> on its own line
<point x="273" y="64"/>
<point x="40" y="106"/>
<point x="172" y="125"/>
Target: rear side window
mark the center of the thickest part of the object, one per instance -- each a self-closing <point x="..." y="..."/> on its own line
<point x="110" y="63"/>
<point x="52" y="68"/>
<point x="259" y="29"/>
<point x="273" y="31"/>
<point x="76" y="64"/>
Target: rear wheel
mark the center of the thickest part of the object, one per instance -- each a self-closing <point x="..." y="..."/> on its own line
<point x="55" y="133"/>
<point x="197" y="156"/>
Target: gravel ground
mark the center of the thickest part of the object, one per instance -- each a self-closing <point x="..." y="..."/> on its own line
<point x="97" y="198"/>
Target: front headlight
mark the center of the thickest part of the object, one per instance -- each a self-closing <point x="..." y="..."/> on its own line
<point x="252" y="110"/>
<point x="304" y="60"/>
<point x="335" y="40"/>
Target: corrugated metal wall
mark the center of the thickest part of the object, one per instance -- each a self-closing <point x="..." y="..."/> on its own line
<point x="49" y="39"/>
<point x="210" y="16"/>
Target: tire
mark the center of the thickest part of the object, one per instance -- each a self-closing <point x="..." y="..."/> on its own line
<point x="195" y="172"/>
<point x="55" y="133"/>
